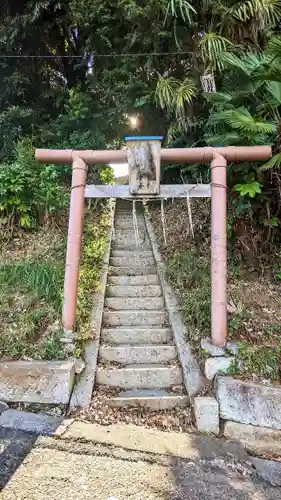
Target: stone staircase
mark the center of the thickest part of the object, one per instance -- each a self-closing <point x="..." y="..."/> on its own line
<point x="137" y="355"/>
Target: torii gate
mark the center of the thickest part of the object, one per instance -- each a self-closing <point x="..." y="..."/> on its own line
<point x="216" y="157"/>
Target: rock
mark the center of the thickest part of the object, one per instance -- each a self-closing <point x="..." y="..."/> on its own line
<point x="249" y="403"/>
<point x="3" y="406"/>
<point x="257" y="440"/>
<point x="30" y="422"/>
<point x="44" y="382"/>
<point x="211" y="349"/>
<point x="207" y="415"/>
<point x="232" y="348"/>
<point x="268" y="470"/>
<point x="79" y="365"/>
<point x="215" y="365"/>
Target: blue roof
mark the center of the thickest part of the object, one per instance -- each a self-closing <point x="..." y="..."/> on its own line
<point x="145" y="138"/>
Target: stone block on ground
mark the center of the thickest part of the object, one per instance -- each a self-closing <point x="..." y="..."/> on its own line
<point x="212" y="350"/>
<point x="249" y="403"/>
<point x="3" y="406"/>
<point x="37" y="381"/>
<point x="36" y="423"/>
<point x="216" y="365"/>
<point x="257" y="440"/>
<point x="268" y="470"/>
<point x="206" y="411"/>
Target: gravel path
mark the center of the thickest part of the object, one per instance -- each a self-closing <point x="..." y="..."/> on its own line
<point x="59" y="470"/>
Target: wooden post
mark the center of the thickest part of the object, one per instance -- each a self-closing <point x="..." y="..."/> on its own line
<point x="219" y="251"/>
<point x="74" y="240"/>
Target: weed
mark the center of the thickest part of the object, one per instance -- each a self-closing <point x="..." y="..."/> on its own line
<point x="262" y="361"/>
<point x="234" y="368"/>
<point x="42" y="279"/>
<point x="190" y="277"/>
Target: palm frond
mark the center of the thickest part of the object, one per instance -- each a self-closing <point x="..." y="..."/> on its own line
<point x="241" y="119"/>
<point x="184" y="95"/>
<point x="181" y="8"/>
<point x="165" y="91"/>
<point x="274" y="162"/>
<point x="226" y="139"/>
<point x="268" y="11"/>
<point x="211" y="47"/>
<point x="218" y="98"/>
<point x="274" y="89"/>
<point x="247" y="63"/>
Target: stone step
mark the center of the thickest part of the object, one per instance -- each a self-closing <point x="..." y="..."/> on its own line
<point x="135" y="318"/>
<point x="129" y="238"/>
<point x="131" y="247"/>
<point x="129" y="224"/>
<point x="134" y="303"/>
<point x="132" y="261"/>
<point x="130" y="233"/>
<point x="134" y="291"/>
<point x="136" y="335"/>
<point x="151" y="279"/>
<point x="140" y="377"/>
<point x="132" y="271"/>
<point x="155" y="400"/>
<point x="127" y="354"/>
<point x="142" y="254"/>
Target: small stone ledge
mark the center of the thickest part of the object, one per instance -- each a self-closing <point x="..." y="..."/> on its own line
<point x="206" y="411"/>
<point x="46" y="382"/>
<point x="36" y="423"/>
<point x="257" y="440"/>
<point x="249" y="403"/>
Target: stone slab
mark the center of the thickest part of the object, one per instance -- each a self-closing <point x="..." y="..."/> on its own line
<point x="171" y="444"/>
<point x="257" y="440"/>
<point x="137" y="281"/>
<point x="37" y="381"/>
<point x="140" y="378"/>
<point x="137" y="335"/>
<point x="36" y="423"/>
<point x="135" y="318"/>
<point x="206" y="411"/>
<point x="138" y="354"/>
<point x="166" y="191"/>
<point x="249" y="403"/>
<point x="141" y="254"/>
<point x="216" y="365"/>
<point x="134" y="290"/>
<point x="131" y="261"/>
<point x="268" y="470"/>
<point x="134" y="303"/>
<point x="157" y="403"/>
<point x="132" y="271"/>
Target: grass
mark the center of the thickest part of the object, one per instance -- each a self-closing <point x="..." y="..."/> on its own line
<point x="261" y="361"/>
<point x="190" y="278"/>
<point x="31" y="289"/>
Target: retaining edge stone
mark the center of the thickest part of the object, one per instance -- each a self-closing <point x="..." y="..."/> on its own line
<point x="82" y="392"/>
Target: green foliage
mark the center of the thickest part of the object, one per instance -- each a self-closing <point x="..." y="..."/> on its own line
<point x="41" y="279"/>
<point x="250" y="189"/>
<point x="95" y="241"/>
<point x="190" y="277"/>
<point x="29" y="192"/>
<point x="263" y="361"/>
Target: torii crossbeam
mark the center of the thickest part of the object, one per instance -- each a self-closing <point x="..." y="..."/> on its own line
<point x="216" y="157"/>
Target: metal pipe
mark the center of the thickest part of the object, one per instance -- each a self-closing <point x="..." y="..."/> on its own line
<point x="179" y="155"/>
<point x="74" y="240"/>
<point x="219" y="250"/>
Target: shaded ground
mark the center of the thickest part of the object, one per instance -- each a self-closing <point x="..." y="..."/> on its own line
<point x="60" y="469"/>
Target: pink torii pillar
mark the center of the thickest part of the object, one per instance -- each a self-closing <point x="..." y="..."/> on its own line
<point x="217" y="157"/>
